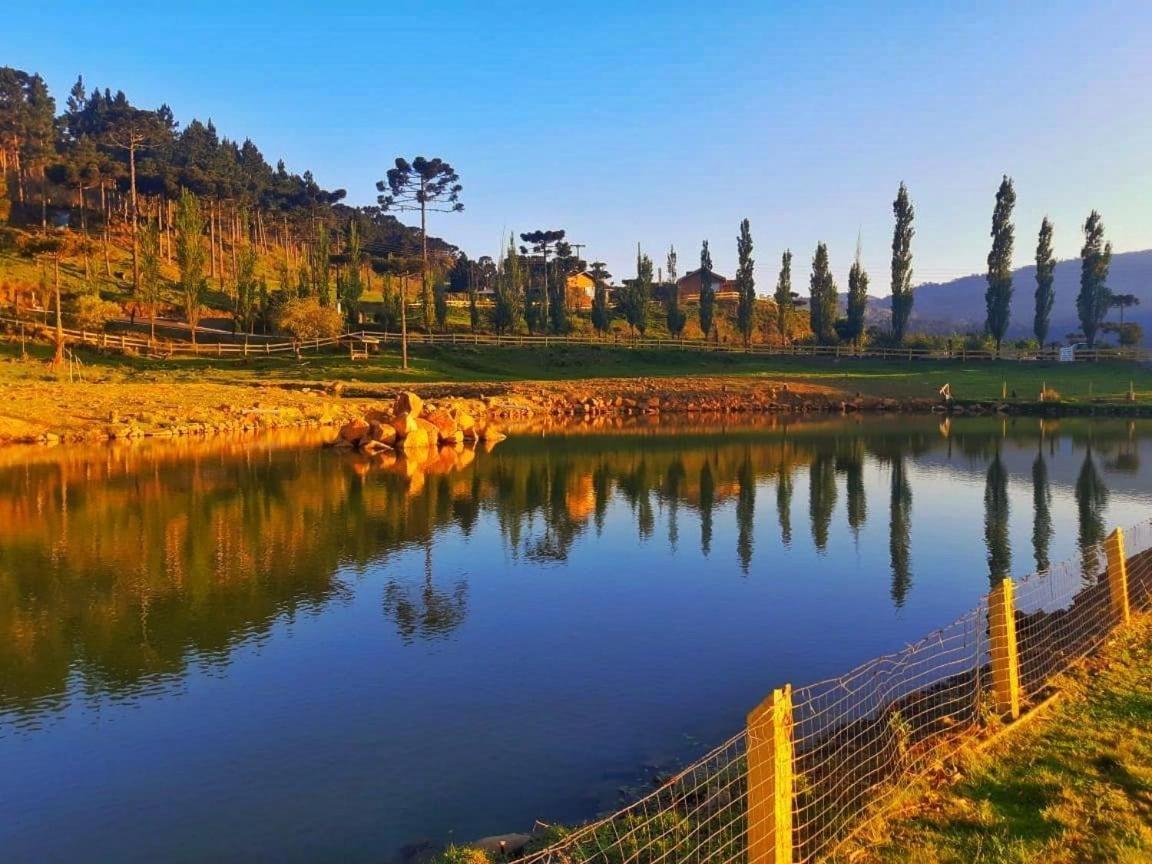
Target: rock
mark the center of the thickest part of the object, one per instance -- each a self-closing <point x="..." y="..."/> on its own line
<point x="445" y="425"/>
<point x="465" y="422"/>
<point x="492" y="434"/>
<point x="408" y="403"/>
<point x="416" y="439"/>
<point x="385" y="433"/>
<point x="405" y="425"/>
<point x="353" y="431"/>
<point x="430" y="430"/>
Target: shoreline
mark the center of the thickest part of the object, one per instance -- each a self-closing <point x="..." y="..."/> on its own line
<point x="55" y="412"/>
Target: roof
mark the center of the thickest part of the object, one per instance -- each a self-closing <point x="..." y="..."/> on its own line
<point x="716" y="277"/>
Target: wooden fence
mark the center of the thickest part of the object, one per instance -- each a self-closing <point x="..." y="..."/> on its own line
<point x="259" y="346"/>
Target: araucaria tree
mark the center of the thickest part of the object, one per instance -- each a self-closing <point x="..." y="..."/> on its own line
<point x="783" y="295"/>
<point x="745" y="283"/>
<point x="190" y="256"/>
<point x="424" y="185"/>
<point x="1094" y="299"/>
<point x="1045" y="276"/>
<point x="542" y="244"/>
<point x="601" y="310"/>
<point x="998" y="296"/>
<point x="902" y="295"/>
<point x="707" y="294"/>
<point x="822" y="306"/>
<point x="857" y="299"/>
<point x="674" y="315"/>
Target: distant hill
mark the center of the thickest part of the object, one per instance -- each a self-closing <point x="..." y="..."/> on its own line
<point x="958" y="306"/>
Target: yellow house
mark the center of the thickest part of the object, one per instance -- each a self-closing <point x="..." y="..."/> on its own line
<point x="581" y="288"/>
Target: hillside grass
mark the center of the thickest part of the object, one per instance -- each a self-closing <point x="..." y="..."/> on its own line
<point x="1074" y="786"/>
<point x="1078" y="383"/>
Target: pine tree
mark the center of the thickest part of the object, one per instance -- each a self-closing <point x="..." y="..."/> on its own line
<point x="857" y="299"/>
<point x="998" y="296"/>
<point x="822" y="306"/>
<point x="783" y="295"/>
<point x="745" y="283"/>
<point x="190" y="257"/>
<point x="1094" y="299"/>
<point x="351" y="287"/>
<point x="601" y="310"/>
<point x="707" y="293"/>
<point x="151" y="282"/>
<point x="508" y="305"/>
<point x="1045" y="277"/>
<point x="674" y="315"/>
<point x="902" y="293"/>
<point x="635" y="296"/>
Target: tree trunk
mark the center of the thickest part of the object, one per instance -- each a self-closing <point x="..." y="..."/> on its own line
<point x="107" y="219"/>
<point x="58" y="359"/>
<point x="135" y="221"/>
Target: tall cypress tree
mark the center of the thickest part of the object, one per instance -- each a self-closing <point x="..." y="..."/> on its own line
<point x="1045" y="277"/>
<point x="707" y="295"/>
<point x="674" y="315"/>
<point x="822" y="306"/>
<point x="1094" y="299"/>
<point x="745" y="283"/>
<point x="783" y="295"/>
<point x="902" y="294"/>
<point x="998" y="296"/>
<point x="857" y="299"/>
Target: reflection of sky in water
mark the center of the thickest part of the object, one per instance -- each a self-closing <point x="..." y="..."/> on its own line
<point x="377" y="687"/>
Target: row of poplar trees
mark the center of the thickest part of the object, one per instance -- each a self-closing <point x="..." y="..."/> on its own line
<point x="1094" y="299"/>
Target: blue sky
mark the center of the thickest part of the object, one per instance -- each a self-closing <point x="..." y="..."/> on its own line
<point x="666" y="123"/>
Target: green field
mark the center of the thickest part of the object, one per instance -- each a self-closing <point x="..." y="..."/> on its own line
<point x="972" y="380"/>
<point x="921" y="378"/>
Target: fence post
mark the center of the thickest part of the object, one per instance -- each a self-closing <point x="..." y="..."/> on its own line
<point x="770" y="781"/>
<point x="1005" y="657"/>
<point x="1117" y="576"/>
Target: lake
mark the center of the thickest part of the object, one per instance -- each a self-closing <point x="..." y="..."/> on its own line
<point x="257" y="649"/>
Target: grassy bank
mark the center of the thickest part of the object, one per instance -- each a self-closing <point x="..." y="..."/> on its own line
<point x="1074" y="786"/>
<point x="972" y="380"/>
<point x="34" y="399"/>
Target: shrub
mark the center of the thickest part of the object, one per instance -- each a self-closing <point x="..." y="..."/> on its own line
<point x="89" y="312"/>
<point x="304" y="318"/>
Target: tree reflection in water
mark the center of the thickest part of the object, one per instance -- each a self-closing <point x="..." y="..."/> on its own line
<point x="123" y="564"/>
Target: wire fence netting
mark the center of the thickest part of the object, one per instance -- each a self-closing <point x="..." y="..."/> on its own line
<point x="857" y="738"/>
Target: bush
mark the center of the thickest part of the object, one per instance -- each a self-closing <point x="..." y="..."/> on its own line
<point x="89" y="312"/>
<point x="304" y="319"/>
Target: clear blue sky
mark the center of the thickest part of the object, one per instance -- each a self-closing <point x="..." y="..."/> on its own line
<point x="666" y="123"/>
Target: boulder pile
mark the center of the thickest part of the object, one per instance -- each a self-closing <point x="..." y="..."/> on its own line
<point x="412" y="425"/>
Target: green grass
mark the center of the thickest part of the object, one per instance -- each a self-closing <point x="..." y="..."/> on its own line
<point x="1075" y="786"/>
<point x="1076" y="383"/>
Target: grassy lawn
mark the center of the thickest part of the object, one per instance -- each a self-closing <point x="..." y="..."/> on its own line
<point x="1075" y="786"/>
<point x="897" y="379"/>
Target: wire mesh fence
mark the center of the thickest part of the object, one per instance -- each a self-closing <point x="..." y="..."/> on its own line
<point x="815" y="764"/>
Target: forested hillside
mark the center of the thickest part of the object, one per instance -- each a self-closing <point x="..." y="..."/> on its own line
<point x="109" y="169"/>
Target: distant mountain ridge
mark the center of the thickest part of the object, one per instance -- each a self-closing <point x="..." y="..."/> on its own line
<point x="958" y="306"/>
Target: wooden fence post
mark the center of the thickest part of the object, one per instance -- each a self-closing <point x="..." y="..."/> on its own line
<point x="770" y="780"/>
<point x="1117" y="576"/>
<point x="1005" y="657"/>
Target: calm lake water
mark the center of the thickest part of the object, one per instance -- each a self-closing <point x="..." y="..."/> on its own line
<point x="259" y="650"/>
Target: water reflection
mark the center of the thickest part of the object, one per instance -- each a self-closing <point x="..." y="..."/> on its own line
<point x="122" y="563"/>
<point x="344" y="609"/>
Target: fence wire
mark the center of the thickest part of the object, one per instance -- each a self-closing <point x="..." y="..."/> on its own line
<point x="857" y="737"/>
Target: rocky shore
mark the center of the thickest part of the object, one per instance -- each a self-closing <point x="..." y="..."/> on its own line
<point x="50" y="412"/>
